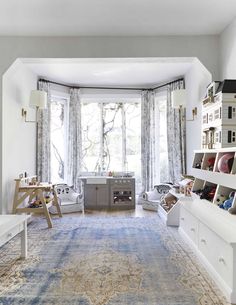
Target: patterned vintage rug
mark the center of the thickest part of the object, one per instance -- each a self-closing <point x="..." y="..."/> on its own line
<point x="104" y="261"/>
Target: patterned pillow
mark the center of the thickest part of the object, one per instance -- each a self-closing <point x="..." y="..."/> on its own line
<point x="162" y="188"/>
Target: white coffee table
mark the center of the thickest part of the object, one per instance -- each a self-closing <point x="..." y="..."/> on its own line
<point x="10" y="226"/>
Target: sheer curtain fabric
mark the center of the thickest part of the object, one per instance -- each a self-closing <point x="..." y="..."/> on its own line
<point x="150" y="140"/>
<point x="74" y="153"/>
<point x="43" y="137"/>
<point x="176" y="136"/>
<point x="148" y="147"/>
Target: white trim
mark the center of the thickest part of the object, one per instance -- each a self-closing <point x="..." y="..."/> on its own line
<point x="60" y="94"/>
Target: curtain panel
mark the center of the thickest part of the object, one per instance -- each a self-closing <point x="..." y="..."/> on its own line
<point x="74" y="153"/>
<point x="43" y="137"/>
<point x="176" y="136"/>
<point x="148" y="147"/>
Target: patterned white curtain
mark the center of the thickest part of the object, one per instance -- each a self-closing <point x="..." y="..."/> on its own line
<point x="43" y="141"/>
<point x="176" y="135"/>
<point x="148" y="148"/>
<point x="74" y="140"/>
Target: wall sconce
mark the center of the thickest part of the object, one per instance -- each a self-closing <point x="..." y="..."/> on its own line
<point x="179" y="101"/>
<point x="38" y="99"/>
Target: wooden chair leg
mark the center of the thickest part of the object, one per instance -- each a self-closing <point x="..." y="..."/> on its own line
<point x="31" y="197"/>
<point x="45" y="208"/>
<point x="56" y="203"/>
<point x="15" y="196"/>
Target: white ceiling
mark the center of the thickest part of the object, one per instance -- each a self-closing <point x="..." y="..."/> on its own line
<point x="138" y="73"/>
<point x="115" y="17"/>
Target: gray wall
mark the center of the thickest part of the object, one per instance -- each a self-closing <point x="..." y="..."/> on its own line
<point x="228" y="52"/>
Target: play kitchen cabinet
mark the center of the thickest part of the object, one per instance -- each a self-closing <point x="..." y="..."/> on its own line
<point x="96" y="196"/>
<point x="108" y="192"/>
<point x="122" y="193"/>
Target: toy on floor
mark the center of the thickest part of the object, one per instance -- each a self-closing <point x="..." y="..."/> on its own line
<point x="37" y="203"/>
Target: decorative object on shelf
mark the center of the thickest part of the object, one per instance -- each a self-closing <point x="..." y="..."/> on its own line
<point x="198" y="165"/>
<point x="179" y="101"/>
<point x="225" y="163"/>
<point x="209" y="135"/>
<point x="220" y="199"/>
<point x="38" y="99"/>
<point x="211" y="89"/>
<point x="219" y="115"/>
<point x="210" y="164"/>
<point x="228" y="203"/>
<point x="232" y="209"/>
<point x="208" y="193"/>
<point x="216" y="187"/>
<point x="185" y="183"/>
<point x="188" y="188"/>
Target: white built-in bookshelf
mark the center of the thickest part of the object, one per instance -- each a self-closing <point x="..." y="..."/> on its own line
<point x="210" y="230"/>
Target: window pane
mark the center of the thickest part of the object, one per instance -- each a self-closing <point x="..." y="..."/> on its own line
<point x="112" y="137"/>
<point x="163" y="162"/>
<point x="91" y="129"/>
<point x="133" y="141"/>
<point x="58" y="140"/>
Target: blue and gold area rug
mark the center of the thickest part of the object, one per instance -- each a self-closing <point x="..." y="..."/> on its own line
<point x="104" y="261"/>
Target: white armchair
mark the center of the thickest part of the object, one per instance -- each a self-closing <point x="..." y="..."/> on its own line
<point x="150" y="200"/>
<point x="69" y="200"/>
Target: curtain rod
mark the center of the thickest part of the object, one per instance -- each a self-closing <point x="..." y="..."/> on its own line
<point x="169" y="83"/>
<point x="113" y="88"/>
<point x="88" y="87"/>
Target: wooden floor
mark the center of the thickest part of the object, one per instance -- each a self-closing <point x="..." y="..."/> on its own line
<point x="137" y="212"/>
